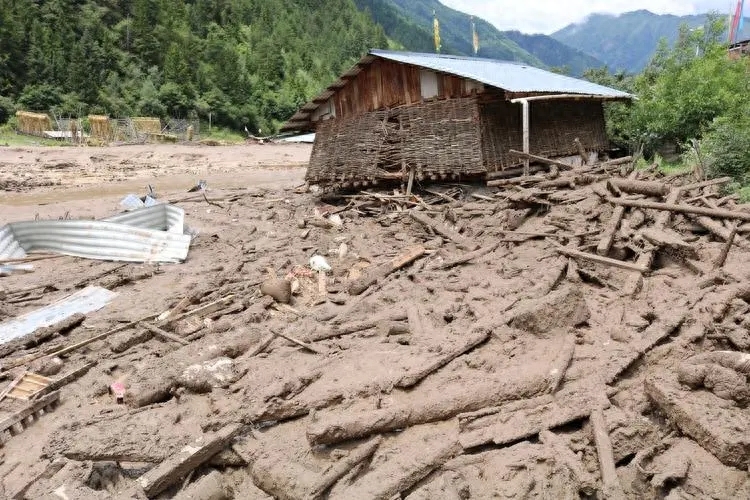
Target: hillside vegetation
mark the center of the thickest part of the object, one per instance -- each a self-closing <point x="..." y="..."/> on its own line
<point x="247" y="62"/>
<point x="692" y="96"/>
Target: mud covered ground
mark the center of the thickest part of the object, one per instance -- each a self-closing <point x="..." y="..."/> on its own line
<point x="402" y="372"/>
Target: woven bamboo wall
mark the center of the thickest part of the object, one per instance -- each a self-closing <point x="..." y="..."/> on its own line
<point x="553" y="124"/>
<point x="33" y="123"/>
<point x="440" y="138"/>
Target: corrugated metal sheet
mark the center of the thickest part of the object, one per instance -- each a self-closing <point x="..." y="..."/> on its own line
<point x="89" y="299"/>
<point x="152" y="234"/>
<point x="509" y="76"/>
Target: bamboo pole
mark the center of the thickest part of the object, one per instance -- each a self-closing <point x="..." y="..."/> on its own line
<point x="684" y="209"/>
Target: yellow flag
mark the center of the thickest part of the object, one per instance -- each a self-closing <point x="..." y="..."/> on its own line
<point x="474" y="37"/>
<point x="436" y="31"/>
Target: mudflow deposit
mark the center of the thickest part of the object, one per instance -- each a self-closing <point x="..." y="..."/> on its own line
<point x="576" y="333"/>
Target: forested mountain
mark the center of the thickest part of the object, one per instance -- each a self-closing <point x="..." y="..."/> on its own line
<point x="628" y="41"/>
<point x="555" y="54"/>
<point x="409" y="23"/>
<point x="248" y="62"/>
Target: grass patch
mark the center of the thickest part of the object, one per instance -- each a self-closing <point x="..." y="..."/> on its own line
<point x="9" y="137"/>
<point x="221" y="134"/>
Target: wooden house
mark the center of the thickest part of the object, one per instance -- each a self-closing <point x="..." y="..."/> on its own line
<point x="445" y="117"/>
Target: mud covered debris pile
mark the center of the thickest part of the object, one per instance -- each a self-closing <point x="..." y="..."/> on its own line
<point x="579" y="333"/>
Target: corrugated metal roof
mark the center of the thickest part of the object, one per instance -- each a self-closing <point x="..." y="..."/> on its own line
<point x="84" y="301"/>
<point x="510" y="76"/>
<point x="151" y="234"/>
<point x="505" y="75"/>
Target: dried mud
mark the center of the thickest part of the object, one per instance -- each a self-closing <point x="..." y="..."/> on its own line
<point x="461" y="368"/>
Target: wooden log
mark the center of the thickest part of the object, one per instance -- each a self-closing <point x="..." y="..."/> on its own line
<point x="299" y="342"/>
<point x="358" y="326"/>
<point x="524" y="419"/>
<point x="358" y="286"/>
<point x="617" y="161"/>
<point x="177" y="466"/>
<point x="516" y="180"/>
<point x="601" y="260"/>
<point x="720" y="231"/>
<point x="515" y="171"/>
<point x="162" y="334"/>
<point x="336" y="428"/>
<point x="565" y="456"/>
<point x="343" y="466"/>
<point x="439" y="228"/>
<point x="683" y="209"/>
<point x="465" y="258"/>
<point x="703" y="184"/>
<point x="413" y="377"/>
<point x="541" y="159"/>
<point x="608" y="237"/>
<point x="670" y="239"/>
<point x="612" y="487"/>
<point x="646" y="259"/>
<point x="648" y="188"/>
<point x="722" y="258"/>
<point x="388" y="484"/>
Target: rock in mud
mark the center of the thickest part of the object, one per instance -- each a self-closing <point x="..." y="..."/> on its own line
<point x="280" y="290"/>
<point x="203" y="377"/>
<point x="558" y="309"/>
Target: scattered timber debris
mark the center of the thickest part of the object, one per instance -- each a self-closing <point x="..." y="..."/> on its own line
<point x="543" y="335"/>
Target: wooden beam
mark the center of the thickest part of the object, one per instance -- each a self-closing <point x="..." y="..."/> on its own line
<point x="684" y="209"/>
<point x="177" y="466"/>
<point x="601" y="260"/>
<point x="541" y="159"/>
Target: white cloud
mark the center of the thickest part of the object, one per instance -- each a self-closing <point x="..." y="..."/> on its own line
<point x="547" y="16"/>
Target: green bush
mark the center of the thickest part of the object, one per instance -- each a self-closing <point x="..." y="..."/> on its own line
<point x="726" y="148"/>
<point x="7" y="109"/>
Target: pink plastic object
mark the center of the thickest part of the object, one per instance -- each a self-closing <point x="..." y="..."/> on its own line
<point x="118" y="390"/>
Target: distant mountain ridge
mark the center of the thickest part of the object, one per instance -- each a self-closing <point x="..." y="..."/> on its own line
<point x="627" y="41"/>
<point x="408" y="23"/>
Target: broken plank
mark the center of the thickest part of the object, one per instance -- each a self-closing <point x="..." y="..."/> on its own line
<point x="41" y="404"/>
<point x="300" y="343"/>
<point x="722" y="258"/>
<point x="162" y="334"/>
<point x="343" y="466"/>
<point x="465" y="258"/>
<point x="371" y="277"/>
<point x="601" y="260"/>
<point x="66" y="379"/>
<point x="541" y="159"/>
<point x="612" y="487"/>
<point x="358" y="326"/>
<point x="177" y="466"/>
<point x="387" y="483"/>
<point x="413" y="377"/>
<point x="524" y="419"/>
<point x="439" y="228"/>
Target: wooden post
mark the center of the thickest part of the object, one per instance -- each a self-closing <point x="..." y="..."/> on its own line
<point x="725" y="250"/>
<point x="525" y="107"/>
<point x="410" y="184"/>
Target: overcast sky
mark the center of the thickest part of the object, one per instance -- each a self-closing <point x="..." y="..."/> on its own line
<point x="547" y="16"/>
